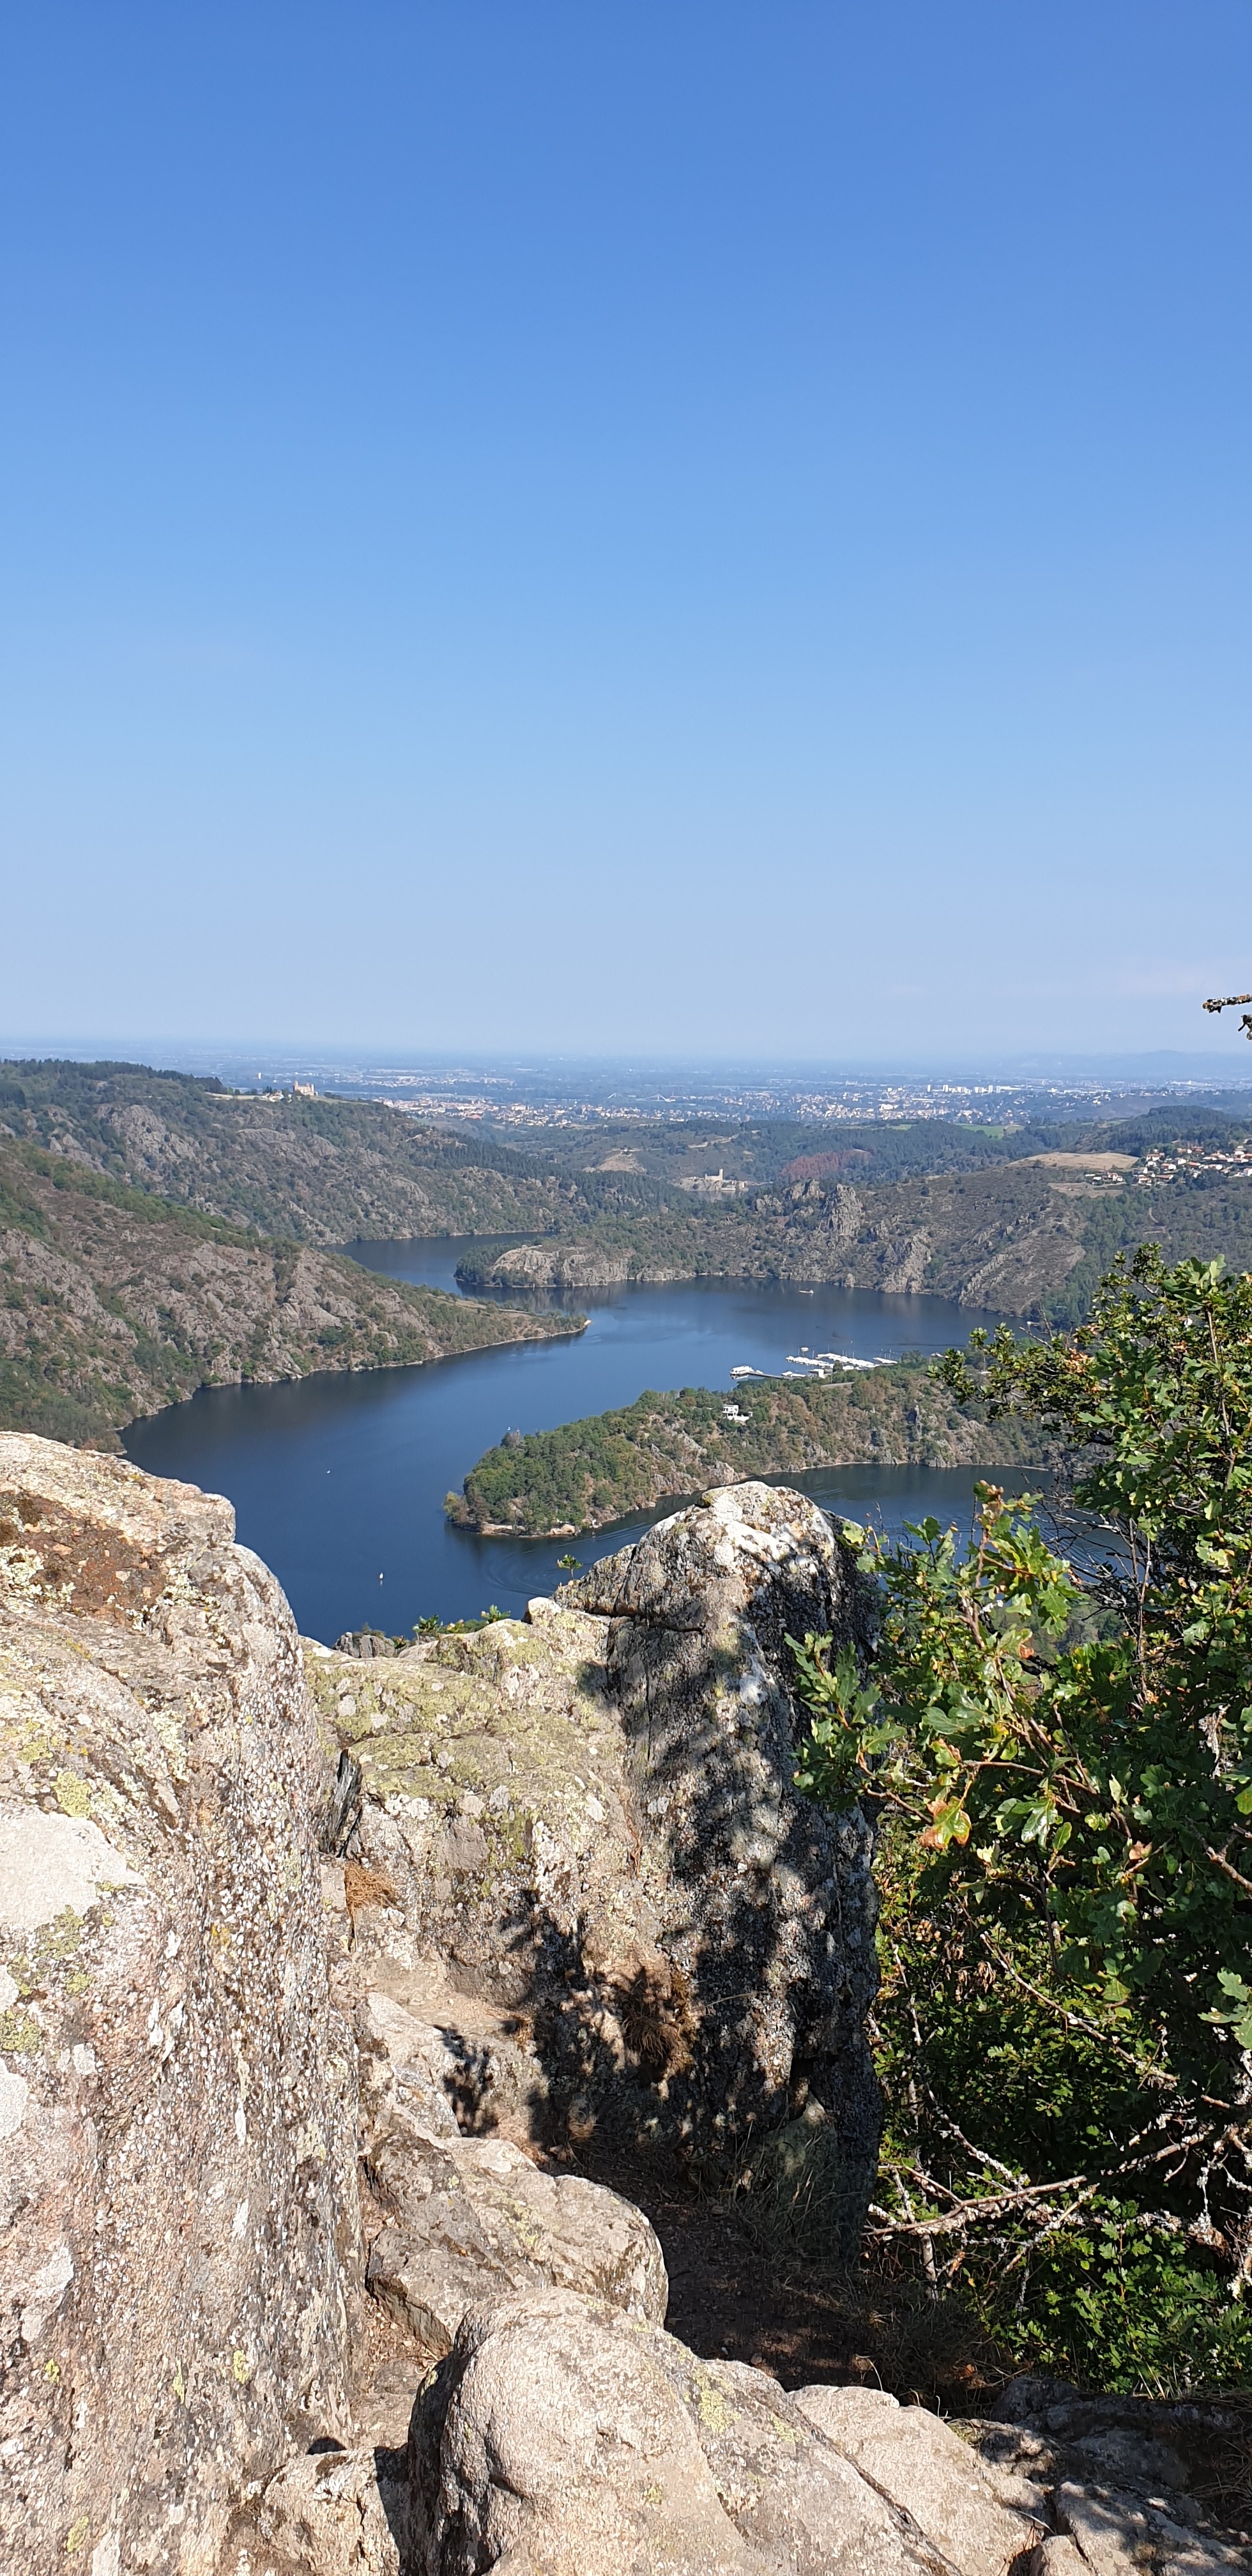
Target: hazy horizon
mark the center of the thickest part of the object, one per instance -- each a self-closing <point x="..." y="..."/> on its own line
<point x="1231" y="1069"/>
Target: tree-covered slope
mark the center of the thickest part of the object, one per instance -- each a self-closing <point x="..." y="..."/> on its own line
<point x="589" y="1473"/>
<point x="113" y="1302"/>
<point x="991" y="1218"/>
<point x="1024" y="1237"/>
<point x="321" y="1171"/>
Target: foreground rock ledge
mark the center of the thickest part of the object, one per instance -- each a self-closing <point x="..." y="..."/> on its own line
<point x="176" y="2104"/>
<point x="591" y="1863"/>
<point x="198" y="2342"/>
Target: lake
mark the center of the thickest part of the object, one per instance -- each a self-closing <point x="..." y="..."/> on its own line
<point x="338" y="1480"/>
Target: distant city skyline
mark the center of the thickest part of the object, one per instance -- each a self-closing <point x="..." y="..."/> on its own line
<point x="708" y="530"/>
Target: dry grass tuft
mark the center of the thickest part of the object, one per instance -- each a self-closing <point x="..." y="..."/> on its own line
<point x="362" y="1887"/>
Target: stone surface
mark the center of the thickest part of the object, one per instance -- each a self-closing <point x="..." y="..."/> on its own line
<point x="472" y="2220"/>
<point x="1117" y="2476"/>
<point x="804" y="2508"/>
<point x="548" y="2440"/>
<point x="560" y="2436"/>
<point x="771" y="1915"/>
<point x="588" y="1824"/>
<point x="1058" y="2556"/>
<point x="925" y="2467"/>
<point x="175" y="2097"/>
<point x="405" y="2074"/>
<point x="1120" y="2534"/>
<point x="337" y="2513"/>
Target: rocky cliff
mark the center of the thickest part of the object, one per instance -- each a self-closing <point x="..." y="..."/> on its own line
<point x="177" y="2101"/>
<point x="588" y="1818"/>
<point x="1023" y="1237"/>
<point x="314" y="1974"/>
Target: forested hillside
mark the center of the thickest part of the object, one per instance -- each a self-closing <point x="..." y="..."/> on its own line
<point x="1019" y="1221"/>
<point x="590" y="1473"/>
<point x="321" y="1171"/>
<point x="114" y="1302"/>
<point x="1026" y="1237"/>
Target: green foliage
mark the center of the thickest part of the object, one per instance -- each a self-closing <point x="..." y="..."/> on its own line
<point x="119" y="1304"/>
<point x="433" y="1627"/>
<point x="1124" y="2304"/>
<point x="844" y="1739"/>
<point x="1063" y="1761"/>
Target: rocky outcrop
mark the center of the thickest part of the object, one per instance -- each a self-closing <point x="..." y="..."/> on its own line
<point x="289" y="2278"/>
<point x="558" y="2437"/>
<point x="559" y="1266"/>
<point x="176" y="2100"/>
<point x="1114" y="2478"/>
<point x="589" y="1821"/>
<point x="924" y="2467"/>
<point x="774" y="1898"/>
<point x="471" y="2220"/>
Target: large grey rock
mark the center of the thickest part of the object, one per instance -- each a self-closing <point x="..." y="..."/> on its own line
<point x="588" y="1825"/>
<point x="926" y="2468"/>
<point x="336" y="2513"/>
<point x="176" y="2154"/>
<point x="466" y="2060"/>
<point x="805" y="2509"/>
<point x="471" y="2219"/>
<point x="559" y="2436"/>
<point x="550" y="2441"/>
<point x="406" y="2073"/>
<point x="772" y="1911"/>
<point x="475" y="2223"/>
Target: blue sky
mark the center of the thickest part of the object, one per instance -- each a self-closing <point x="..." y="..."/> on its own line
<point x="596" y="524"/>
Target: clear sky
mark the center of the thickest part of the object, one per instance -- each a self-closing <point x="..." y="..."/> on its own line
<point x="627" y="523"/>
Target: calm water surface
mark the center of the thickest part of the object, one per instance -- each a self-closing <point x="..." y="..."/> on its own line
<point x="338" y="1481"/>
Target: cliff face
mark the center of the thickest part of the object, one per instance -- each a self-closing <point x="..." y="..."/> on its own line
<point x="774" y="1898"/>
<point x="590" y="1819"/>
<point x="1007" y="1238"/>
<point x="565" y="1918"/>
<point x="176" y="2132"/>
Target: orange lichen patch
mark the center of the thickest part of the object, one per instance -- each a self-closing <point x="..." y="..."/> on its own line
<point x="88" y="1566"/>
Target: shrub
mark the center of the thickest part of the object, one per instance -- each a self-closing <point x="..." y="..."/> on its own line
<point x="1060" y="1749"/>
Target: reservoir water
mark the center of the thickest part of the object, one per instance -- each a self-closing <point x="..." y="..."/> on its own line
<point x="338" y="1480"/>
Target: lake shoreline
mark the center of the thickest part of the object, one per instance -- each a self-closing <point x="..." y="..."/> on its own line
<point x="585" y="1475"/>
<point x="338" y="1479"/>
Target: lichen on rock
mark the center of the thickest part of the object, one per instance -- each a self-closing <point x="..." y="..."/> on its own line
<point x="176" y="2150"/>
<point x="589" y="1820"/>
